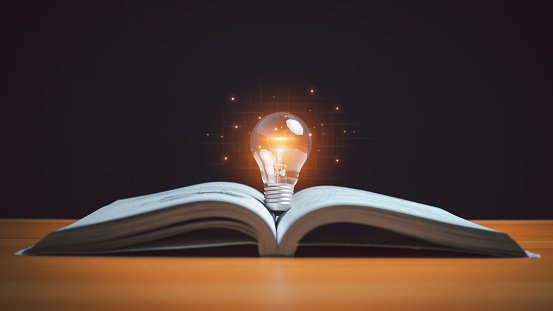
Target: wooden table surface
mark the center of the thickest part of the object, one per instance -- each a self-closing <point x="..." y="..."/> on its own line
<point x="167" y="283"/>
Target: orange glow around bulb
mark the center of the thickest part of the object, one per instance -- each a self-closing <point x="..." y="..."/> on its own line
<point x="280" y="144"/>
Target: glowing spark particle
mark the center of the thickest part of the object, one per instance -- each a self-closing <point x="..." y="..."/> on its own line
<point x="337" y="160"/>
<point x="310" y="134"/>
<point x="312" y="91"/>
<point x="276" y="129"/>
<point x="259" y="117"/>
<point x="259" y="147"/>
<point x="337" y="108"/>
<point x="207" y="134"/>
<point x="236" y="126"/>
<point x="221" y="136"/>
<point x="232" y="98"/>
<point x="226" y="158"/>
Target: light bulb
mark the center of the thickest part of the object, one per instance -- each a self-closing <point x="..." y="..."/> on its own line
<point x="280" y="144"/>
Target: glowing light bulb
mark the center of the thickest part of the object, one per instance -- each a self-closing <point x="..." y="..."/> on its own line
<point x="280" y="144"/>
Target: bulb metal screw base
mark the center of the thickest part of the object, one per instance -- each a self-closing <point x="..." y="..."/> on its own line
<point x="278" y="197"/>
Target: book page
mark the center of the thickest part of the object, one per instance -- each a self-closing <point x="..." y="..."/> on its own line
<point x="213" y="191"/>
<point x="315" y="198"/>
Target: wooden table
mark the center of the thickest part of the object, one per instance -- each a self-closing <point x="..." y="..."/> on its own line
<point x="165" y="283"/>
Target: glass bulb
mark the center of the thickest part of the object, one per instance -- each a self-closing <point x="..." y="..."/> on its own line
<point x="280" y="144"/>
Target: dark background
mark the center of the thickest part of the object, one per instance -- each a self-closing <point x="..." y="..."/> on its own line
<point x="104" y="100"/>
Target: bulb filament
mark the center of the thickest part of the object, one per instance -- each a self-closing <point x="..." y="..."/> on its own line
<point x="280" y="148"/>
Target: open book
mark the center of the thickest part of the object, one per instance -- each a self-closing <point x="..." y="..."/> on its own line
<point x="223" y="214"/>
